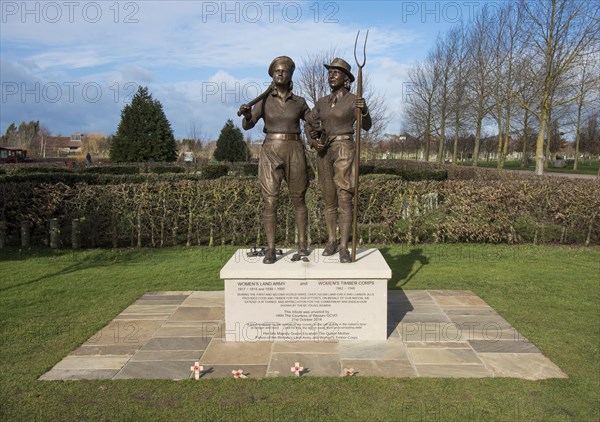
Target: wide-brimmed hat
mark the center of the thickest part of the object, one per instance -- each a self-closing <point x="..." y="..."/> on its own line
<point x="286" y="60"/>
<point x="342" y="65"/>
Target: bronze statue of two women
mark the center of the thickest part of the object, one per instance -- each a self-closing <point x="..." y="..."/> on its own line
<point x="330" y="126"/>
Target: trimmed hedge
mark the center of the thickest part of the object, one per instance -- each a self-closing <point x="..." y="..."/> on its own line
<point x="250" y="169"/>
<point x="214" y="171"/>
<point x="161" y="211"/>
<point x="111" y="170"/>
<point x="31" y="170"/>
<point x="405" y="173"/>
<point x="71" y="178"/>
<point x="166" y="169"/>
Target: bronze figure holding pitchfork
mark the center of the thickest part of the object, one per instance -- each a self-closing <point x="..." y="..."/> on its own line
<point x="338" y="154"/>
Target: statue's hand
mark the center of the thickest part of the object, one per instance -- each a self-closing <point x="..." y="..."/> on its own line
<point x="361" y="104"/>
<point x="245" y="110"/>
<point x="319" y="147"/>
<point x="314" y="134"/>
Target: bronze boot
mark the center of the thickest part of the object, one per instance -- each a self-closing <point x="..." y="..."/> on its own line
<point x="345" y="230"/>
<point x="270" y="224"/>
<point x="301" y="224"/>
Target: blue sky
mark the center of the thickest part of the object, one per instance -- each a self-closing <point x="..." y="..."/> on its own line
<point x="74" y="64"/>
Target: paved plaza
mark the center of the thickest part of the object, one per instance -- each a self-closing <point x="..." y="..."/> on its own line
<point x="431" y="333"/>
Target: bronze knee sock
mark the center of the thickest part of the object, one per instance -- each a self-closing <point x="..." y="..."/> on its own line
<point x="270" y="224"/>
<point x="331" y="222"/>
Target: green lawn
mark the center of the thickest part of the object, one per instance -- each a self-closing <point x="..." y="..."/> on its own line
<point x="52" y="301"/>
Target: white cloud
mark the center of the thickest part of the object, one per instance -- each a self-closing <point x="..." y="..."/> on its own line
<point x="183" y="51"/>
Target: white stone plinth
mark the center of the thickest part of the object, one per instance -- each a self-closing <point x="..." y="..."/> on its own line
<point x="318" y="300"/>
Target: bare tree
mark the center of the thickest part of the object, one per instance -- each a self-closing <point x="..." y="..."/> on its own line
<point x="589" y="136"/>
<point x="456" y="41"/>
<point x="503" y="38"/>
<point x="311" y="80"/>
<point x="419" y="111"/>
<point x="442" y="57"/>
<point x="560" y="34"/>
<point x="95" y="143"/>
<point x="195" y="134"/>
<point x="380" y="116"/>
<point x="587" y="77"/>
<point x="479" y="74"/>
<point x="526" y="92"/>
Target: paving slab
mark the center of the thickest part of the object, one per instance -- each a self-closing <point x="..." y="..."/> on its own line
<point x="380" y="368"/>
<point x="424" y="317"/>
<point x="204" y="302"/>
<point x="469" y="310"/>
<point x="488" y="332"/>
<point x="79" y="374"/>
<point x="236" y="353"/>
<point x="451" y="293"/>
<point x="197" y="313"/>
<point x="150" y="308"/>
<point x="438" y="345"/>
<point x="420" y="308"/>
<point x="130" y="332"/>
<point x="161" y="300"/>
<point x="92" y="362"/>
<point x="439" y="356"/>
<point x="436" y="333"/>
<point x="444" y="301"/>
<point x="315" y="364"/>
<point x="429" y="332"/>
<point x="176" y="331"/>
<point x="169" y="293"/>
<point x="166" y="355"/>
<point x="503" y="346"/>
<point x="224" y="371"/>
<point x="532" y="366"/>
<point x="175" y="296"/>
<point x="177" y="343"/>
<point x="416" y="296"/>
<point x="166" y="369"/>
<point x="306" y="347"/>
<point x="392" y="349"/>
<point x="150" y="317"/>
<point x="453" y="371"/>
<point x="480" y="321"/>
<point x="100" y="350"/>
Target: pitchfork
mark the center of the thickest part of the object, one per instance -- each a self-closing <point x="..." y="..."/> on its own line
<point x="359" y="93"/>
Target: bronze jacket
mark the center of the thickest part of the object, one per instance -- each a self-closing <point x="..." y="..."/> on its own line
<point x="339" y="119"/>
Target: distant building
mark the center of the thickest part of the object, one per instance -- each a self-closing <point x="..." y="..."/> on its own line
<point x="63" y="145"/>
<point x="13" y="155"/>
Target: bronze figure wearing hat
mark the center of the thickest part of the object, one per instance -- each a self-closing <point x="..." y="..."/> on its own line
<point x="331" y="127"/>
<point x="282" y="155"/>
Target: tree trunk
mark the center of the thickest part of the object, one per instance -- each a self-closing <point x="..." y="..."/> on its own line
<point x="442" y="138"/>
<point x="75" y="234"/>
<point x="54" y="233"/>
<point x="539" y="145"/>
<point x="525" y="138"/>
<point x="477" y="139"/>
<point x="499" y="149"/>
<point x="548" y="134"/>
<point x="577" y="128"/>
<point x="506" y="134"/>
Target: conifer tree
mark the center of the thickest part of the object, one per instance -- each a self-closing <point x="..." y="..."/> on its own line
<point x="144" y="133"/>
<point x="230" y="145"/>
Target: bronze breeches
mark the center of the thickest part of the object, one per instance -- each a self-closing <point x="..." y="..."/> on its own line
<point x="336" y="176"/>
<point x="282" y="160"/>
